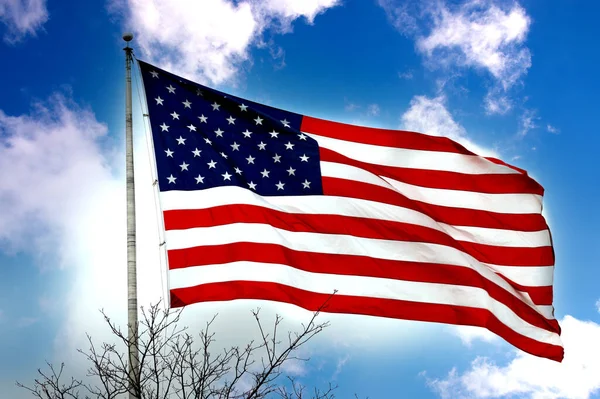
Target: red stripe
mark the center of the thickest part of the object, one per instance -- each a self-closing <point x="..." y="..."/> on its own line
<point x="362" y="305"/>
<point x="354" y="226"/>
<point x="539" y="295"/>
<point x="352" y="265"/>
<point x="492" y="184"/>
<point x="381" y="137"/>
<point x="357" y="265"/>
<point x="389" y="138"/>
<point x="439" y="213"/>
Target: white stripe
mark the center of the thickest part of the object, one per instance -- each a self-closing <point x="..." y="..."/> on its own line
<point x="408" y="158"/>
<point x="529" y="276"/>
<point x="361" y="286"/>
<point x="501" y="203"/>
<point x="331" y="205"/>
<point x="499" y="237"/>
<point x="348" y="245"/>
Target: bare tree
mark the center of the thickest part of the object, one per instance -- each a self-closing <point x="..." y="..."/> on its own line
<point x="50" y="386"/>
<point x="175" y="365"/>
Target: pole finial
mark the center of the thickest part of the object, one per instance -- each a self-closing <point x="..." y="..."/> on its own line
<point x="128" y="36"/>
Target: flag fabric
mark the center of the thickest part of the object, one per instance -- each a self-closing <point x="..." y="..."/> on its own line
<point x="262" y="203"/>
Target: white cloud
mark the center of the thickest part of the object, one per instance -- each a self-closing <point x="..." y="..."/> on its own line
<point x="527" y="376"/>
<point x="60" y="201"/>
<point x="373" y="110"/>
<point x="349" y="107"/>
<point x="527" y="122"/>
<point x="597" y="306"/>
<point x="210" y="40"/>
<point x="49" y="162"/>
<point x="22" y="18"/>
<point x="476" y="34"/>
<point x="430" y="116"/>
<point x="470" y="334"/>
<point x="495" y="102"/>
<point x="480" y="34"/>
<point x="552" y="129"/>
<point x="339" y="366"/>
<point x="295" y="368"/>
<point x="408" y="75"/>
<point x="404" y="16"/>
<point x="289" y="10"/>
<point x="366" y="112"/>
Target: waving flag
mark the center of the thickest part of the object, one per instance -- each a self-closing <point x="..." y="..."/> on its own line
<point x="261" y="203"/>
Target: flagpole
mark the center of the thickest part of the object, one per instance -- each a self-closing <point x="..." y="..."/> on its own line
<point x="132" y="315"/>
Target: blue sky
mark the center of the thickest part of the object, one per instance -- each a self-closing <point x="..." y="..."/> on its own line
<point x="516" y="79"/>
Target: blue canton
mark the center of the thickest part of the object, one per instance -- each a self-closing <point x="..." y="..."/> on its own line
<point x="204" y="138"/>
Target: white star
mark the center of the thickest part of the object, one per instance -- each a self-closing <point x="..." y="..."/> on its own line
<point x="247" y="134"/>
<point x="252" y="186"/>
<point x="199" y="93"/>
<point x="291" y="171"/>
<point x="184" y="166"/>
<point x="196" y="152"/>
<point x="169" y="153"/>
<point x="235" y="146"/>
<point x="280" y="185"/>
<point x="289" y="146"/>
<point x="306" y="184"/>
<point x="181" y="141"/>
<point x="304" y="158"/>
<point x="258" y="120"/>
<point x="243" y="107"/>
<point x="154" y="74"/>
<point x="215" y="106"/>
<point x="223" y="155"/>
<point x="212" y="164"/>
<point x="265" y="173"/>
<point x="192" y="128"/>
<point x="187" y="104"/>
<point x="261" y="146"/>
<point x="238" y="170"/>
<point x="202" y="118"/>
<point x="285" y="123"/>
<point x="175" y="115"/>
<point x="199" y="179"/>
<point x="159" y="101"/>
<point x="302" y="136"/>
<point x="171" y="89"/>
<point x="171" y="179"/>
<point x="226" y="176"/>
<point x="276" y="158"/>
<point x="274" y="134"/>
<point x="164" y="127"/>
<point x="219" y="132"/>
<point x="208" y="141"/>
<point x="250" y="159"/>
<point x="231" y="120"/>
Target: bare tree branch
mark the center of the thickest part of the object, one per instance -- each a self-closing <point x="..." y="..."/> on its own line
<point x="263" y="385"/>
<point x="298" y="391"/>
<point x="174" y="365"/>
<point x="50" y="386"/>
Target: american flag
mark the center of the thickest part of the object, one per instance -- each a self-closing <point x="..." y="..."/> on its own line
<point x="262" y="203"/>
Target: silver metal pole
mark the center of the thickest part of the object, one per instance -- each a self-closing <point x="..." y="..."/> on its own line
<point x="132" y="308"/>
